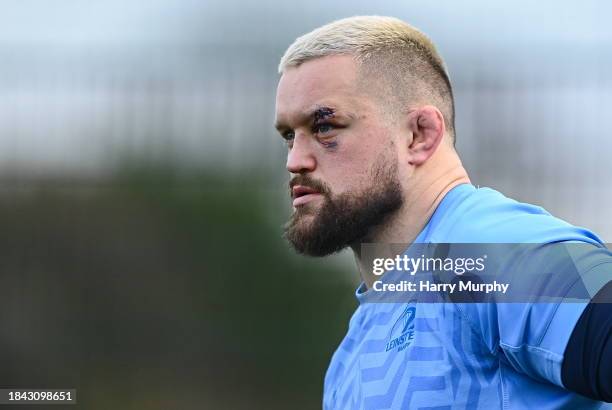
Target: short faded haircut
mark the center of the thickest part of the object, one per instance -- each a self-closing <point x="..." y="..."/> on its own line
<point x="393" y="55"/>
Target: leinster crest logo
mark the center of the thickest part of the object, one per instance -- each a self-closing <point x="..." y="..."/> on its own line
<point x="402" y="332"/>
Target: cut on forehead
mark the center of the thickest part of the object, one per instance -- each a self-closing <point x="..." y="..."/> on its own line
<point x="317" y="113"/>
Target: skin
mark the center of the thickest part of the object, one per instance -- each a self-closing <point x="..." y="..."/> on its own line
<point x="340" y="149"/>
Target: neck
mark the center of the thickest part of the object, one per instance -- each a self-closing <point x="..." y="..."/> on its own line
<point x="425" y="189"/>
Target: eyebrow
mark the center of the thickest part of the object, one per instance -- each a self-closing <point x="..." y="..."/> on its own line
<point x="317" y="113"/>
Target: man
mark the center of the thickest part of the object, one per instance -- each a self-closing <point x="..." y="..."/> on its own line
<point x="366" y="108"/>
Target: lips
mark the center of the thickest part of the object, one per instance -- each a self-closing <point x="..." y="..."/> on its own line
<point x="301" y="190"/>
<point x="302" y="194"/>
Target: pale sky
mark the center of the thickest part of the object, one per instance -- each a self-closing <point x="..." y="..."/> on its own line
<point x="140" y="22"/>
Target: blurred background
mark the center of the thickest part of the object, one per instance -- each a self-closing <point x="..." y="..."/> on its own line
<point x="142" y="185"/>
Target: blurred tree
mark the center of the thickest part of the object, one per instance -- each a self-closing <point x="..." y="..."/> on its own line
<point x="153" y="291"/>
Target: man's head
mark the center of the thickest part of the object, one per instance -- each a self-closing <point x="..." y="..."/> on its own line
<point x="362" y="103"/>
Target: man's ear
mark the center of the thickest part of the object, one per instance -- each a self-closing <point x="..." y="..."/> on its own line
<point x="427" y="126"/>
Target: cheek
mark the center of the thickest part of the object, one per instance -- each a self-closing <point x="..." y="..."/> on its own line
<point x="369" y="149"/>
<point x="351" y="172"/>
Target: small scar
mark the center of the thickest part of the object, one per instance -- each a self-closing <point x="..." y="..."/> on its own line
<point x="323" y="113"/>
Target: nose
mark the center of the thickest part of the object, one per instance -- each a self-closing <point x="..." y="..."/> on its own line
<point x="300" y="158"/>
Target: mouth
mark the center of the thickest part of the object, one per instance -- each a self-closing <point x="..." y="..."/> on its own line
<point x="302" y="194"/>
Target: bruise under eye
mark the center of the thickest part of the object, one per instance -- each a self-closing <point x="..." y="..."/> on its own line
<point x="329" y="144"/>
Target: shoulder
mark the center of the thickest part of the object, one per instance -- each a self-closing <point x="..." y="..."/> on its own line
<point x="485" y="215"/>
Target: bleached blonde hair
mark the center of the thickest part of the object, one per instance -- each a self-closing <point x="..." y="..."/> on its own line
<point x="392" y="54"/>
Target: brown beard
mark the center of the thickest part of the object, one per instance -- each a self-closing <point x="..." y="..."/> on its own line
<point x="345" y="219"/>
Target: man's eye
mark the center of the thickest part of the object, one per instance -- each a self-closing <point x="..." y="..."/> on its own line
<point x="289" y="136"/>
<point x="323" y="128"/>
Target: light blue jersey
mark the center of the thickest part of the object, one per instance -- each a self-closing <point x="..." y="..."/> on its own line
<point x="463" y="356"/>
